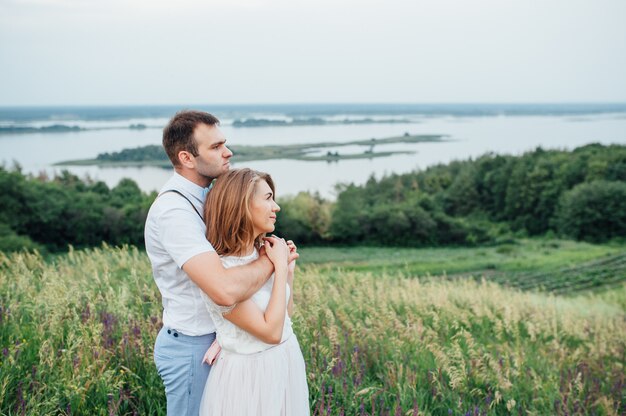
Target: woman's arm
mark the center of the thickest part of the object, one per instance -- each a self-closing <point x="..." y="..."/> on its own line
<point x="268" y="325"/>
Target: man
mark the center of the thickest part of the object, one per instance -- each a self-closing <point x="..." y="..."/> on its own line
<point x="184" y="263"/>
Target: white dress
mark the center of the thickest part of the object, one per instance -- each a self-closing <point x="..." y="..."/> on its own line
<point x="251" y="377"/>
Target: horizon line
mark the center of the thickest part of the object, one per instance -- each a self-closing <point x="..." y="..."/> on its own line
<point x="269" y="104"/>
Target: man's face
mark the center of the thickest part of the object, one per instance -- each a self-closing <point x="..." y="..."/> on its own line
<point x="213" y="156"/>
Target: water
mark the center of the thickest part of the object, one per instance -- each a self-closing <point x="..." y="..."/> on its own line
<point x="470" y="131"/>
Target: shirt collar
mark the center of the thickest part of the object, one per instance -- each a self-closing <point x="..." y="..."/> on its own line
<point x="189" y="187"/>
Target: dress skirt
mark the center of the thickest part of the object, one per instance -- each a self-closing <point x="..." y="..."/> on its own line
<point x="267" y="383"/>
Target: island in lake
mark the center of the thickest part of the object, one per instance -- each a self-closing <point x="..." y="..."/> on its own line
<point x="154" y="155"/>
<point x="55" y="128"/>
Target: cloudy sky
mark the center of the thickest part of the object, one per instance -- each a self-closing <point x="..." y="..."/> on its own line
<point x="72" y="52"/>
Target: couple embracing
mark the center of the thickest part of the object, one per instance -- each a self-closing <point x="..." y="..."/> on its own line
<point x="218" y="273"/>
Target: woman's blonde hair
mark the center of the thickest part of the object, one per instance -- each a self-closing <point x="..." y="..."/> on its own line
<point x="227" y="211"/>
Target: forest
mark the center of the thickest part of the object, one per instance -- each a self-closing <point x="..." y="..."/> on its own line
<point x="578" y="194"/>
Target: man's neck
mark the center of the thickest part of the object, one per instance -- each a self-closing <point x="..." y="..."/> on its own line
<point x="193" y="176"/>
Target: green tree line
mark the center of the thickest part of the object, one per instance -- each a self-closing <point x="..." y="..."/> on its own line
<point x="579" y="194"/>
<point x="49" y="214"/>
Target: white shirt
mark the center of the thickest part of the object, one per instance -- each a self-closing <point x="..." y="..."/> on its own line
<point x="230" y="336"/>
<point x="174" y="233"/>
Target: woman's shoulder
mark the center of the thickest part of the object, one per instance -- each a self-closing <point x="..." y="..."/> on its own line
<point x="230" y="261"/>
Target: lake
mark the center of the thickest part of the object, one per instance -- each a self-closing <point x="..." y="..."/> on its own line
<point x="470" y="130"/>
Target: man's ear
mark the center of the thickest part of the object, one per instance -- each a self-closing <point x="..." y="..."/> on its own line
<point x="186" y="159"/>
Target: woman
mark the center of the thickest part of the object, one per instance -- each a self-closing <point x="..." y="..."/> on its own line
<point x="260" y="369"/>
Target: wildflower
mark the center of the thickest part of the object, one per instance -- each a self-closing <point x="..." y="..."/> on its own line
<point x="86" y="314"/>
<point x="336" y="370"/>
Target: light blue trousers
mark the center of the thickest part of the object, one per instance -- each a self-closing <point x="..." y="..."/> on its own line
<point x="178" y="360"/>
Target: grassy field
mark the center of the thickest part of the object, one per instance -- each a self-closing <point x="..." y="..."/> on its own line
<point x="513" y="256"/>
<point x="383" y="331"/>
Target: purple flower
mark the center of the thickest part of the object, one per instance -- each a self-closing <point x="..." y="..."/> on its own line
<point x="337" y="368"/>
<point x="86" y="314"/>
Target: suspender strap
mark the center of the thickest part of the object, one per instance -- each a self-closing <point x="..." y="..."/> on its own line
<point x="190" y="203"/>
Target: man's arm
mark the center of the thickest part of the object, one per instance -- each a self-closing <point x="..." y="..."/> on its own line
<point x="180" y="231"/>
<point x="227" y="286"/>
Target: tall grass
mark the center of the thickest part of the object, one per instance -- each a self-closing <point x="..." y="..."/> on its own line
<point x="77" y="333"/>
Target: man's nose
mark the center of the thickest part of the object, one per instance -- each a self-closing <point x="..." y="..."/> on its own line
<point x="228" y="153"/>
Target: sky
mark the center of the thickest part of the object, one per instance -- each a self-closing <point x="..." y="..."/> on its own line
<point x="127" y="52"/>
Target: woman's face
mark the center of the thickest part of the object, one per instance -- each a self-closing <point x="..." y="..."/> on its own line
<point x="263" y="209"/>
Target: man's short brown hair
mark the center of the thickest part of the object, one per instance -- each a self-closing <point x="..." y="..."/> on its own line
<point x="178" y="134"/>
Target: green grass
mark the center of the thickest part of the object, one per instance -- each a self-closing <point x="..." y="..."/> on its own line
<point x="76" y="332"/>
<point x="520" y="256"/>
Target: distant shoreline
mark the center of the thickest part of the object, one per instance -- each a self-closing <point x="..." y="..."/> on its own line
<point x="64" y="114"/>
<point x="64" y="128"/>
